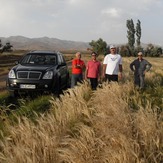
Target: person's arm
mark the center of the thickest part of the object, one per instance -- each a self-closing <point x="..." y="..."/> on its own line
<point x="99" y="72"/>
<point x="104" y="70"/>
<point x="74" y="64"/>
<point x="86" y="71"/>
<point x="83" y="66"/>
<point x="79" y="64"/>
<point x="148" y="66"/>
<point x="120" y="71"/>
<point x="104" y="66"/>
<point x="120" y="68"/>
<point x="131" y="66"/>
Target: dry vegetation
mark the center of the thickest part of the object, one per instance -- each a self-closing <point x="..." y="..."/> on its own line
<point x="115" y="124"/>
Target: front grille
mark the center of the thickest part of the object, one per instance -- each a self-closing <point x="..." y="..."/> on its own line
<point x="34" y="75"/>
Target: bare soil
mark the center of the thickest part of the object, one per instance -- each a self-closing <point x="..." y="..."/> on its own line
<point x="8" y="59"/>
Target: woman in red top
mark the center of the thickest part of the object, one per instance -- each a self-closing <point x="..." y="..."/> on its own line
<point x="93" y="71"/>
<point x="78" y="66"/>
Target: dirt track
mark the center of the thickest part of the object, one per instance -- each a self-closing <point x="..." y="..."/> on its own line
<point x="6" y="61"/>
<point x="3" y="82"/>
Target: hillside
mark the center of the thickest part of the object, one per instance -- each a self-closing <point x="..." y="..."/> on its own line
<point x="43" y="43"/>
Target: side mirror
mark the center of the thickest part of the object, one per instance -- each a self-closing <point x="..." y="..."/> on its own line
<point x="62" y="64"/>
<point x="16" y="62"/>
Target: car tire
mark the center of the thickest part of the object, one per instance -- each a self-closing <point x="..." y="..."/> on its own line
<point x="56" y="90"/>
<point x="13" y="94"/>
<point x="68" y="82"/>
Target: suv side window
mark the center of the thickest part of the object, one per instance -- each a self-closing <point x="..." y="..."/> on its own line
<point x="63" y="60"/>
<point x="60" y="58"/>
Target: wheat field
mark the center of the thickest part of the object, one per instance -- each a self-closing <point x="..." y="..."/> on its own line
<point x="114" y="124"/>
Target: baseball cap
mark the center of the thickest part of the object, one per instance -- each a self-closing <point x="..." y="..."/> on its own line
<point x="112" y="46"/>
<point x="140" y="53"/>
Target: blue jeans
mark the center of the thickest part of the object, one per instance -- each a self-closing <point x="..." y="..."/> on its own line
<point x="76" y="78"/>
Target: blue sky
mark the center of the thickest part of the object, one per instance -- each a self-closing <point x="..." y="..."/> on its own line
<point x="81" y="20"/>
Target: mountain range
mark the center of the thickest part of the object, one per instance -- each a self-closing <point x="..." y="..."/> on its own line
<point x="46" y="43"/>
<point x="43" y="43"/>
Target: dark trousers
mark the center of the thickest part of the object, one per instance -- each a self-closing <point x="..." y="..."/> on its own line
<point x="111" y="77"/>
<point x="94" y="83"/>
<point x="139" y="80"/>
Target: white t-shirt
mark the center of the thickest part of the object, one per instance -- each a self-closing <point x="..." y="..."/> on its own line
<point x="112" y="62"/>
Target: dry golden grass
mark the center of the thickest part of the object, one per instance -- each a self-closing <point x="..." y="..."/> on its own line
<point x="2" y="84"/>
<point x="85" y="126"/>
<point x="4" y="70"/>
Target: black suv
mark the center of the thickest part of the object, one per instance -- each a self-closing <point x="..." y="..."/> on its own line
<point x="40" y="71"/>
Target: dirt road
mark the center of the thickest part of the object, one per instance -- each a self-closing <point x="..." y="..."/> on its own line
<point x="6" y="61"/>
<point x="3" y="82"/>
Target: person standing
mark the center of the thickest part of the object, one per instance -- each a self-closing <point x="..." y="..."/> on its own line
<point x="78" y="66"/>
<point x="112" y="65"/>
<point x="93" y="71"/>
<point x="140" y="66"/>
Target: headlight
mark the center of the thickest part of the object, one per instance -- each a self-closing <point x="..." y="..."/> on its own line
<point x="11" y="74"/>
<point x="48" y="75"/>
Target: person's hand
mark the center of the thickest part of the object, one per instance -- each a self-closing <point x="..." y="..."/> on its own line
<point x="120" y="75"/>
<point x="103" y="76"/>
<point x="144" y="72"/>
<point x="133" y="72"/>
<point x="77" y="66"/>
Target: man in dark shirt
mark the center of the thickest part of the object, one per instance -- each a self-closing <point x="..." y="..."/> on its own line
<point x="140" y="66"/>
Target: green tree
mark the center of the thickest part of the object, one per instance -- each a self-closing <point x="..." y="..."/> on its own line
<point x="99" y="46"/>
<point x="124" y="51"/>
<point x="153" y="51"/>
<point x="156" y="51"/>
<point x="159" y="51"/>
<point x="138" y="49"/>
<point x="148" y="50"/>
<point x="138" y="33"/>
<point x="131" y="34"/>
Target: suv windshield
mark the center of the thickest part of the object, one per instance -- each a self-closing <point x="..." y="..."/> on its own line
<point x="39" y="59"/>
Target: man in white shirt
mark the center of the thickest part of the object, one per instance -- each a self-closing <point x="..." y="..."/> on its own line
<point x="112" y="65"/>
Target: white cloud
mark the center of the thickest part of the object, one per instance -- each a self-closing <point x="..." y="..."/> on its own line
<point x="74" y="1"/>
<point x="81" y="20"/>
<point x="111" y="12"/>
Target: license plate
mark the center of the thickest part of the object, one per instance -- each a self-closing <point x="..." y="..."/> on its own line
<point x="27" y="86"/>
